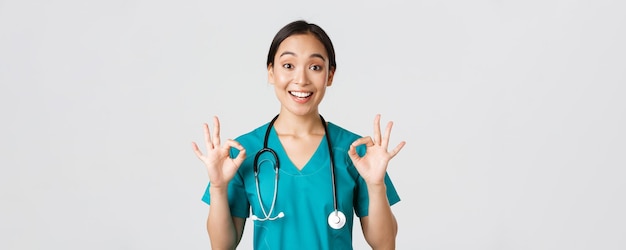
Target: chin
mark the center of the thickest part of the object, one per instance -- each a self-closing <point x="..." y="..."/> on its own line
<point x="302" y="111"/>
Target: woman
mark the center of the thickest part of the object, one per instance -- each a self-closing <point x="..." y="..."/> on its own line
<point x="325" y="173"/>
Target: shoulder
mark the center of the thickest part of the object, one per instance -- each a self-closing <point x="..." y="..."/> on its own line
<point x="341" y="135"/>
<point x="253" y="137"/>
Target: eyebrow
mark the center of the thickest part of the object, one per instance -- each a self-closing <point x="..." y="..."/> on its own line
<point x="294" y="54"/>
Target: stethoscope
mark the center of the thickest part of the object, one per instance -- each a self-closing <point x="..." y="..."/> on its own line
<point x="336" y="218"/>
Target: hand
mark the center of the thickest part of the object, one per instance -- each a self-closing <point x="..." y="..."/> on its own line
<point x="220" y="166"/>
<point x="373" y="165"/>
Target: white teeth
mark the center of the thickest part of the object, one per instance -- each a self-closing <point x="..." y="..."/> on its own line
<point x="300" y="94"/>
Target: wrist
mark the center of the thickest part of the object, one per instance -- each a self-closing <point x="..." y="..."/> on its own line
<point x="376" y="188"/>
<point x="218" y="190"/>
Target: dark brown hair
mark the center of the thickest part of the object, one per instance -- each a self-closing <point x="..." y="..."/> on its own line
<point x="302" y="27"/>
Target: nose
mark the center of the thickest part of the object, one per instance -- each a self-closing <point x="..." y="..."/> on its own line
<point x="300" y="76"/>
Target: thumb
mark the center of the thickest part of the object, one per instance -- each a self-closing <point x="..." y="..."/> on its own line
<point x="240" y="157"/>
<point x="353" y="154"/>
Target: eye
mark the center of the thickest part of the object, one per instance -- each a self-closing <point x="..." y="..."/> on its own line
<point x="315" y="67"/>
<point x="287" y="66"/>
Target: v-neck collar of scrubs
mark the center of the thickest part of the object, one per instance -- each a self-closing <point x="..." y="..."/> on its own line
<point x="319" y="160"/>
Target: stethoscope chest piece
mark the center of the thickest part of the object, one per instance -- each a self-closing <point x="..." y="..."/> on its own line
<point x="336" y="219"/>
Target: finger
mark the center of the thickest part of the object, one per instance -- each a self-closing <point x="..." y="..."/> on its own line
<point x="196" y="150"/>
<point x="242" y="151"/>
<point x="385" y="141"/>
<point x="230" y="143"/>
<point x="207" y="137"/>
<point x="367" y="140"/>
<point x="216" y="131"/>
<point x="377" y="129"/>
<point x="396" y="150"/>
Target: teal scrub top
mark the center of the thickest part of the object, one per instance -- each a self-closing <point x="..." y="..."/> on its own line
<point x="304" y="196"/>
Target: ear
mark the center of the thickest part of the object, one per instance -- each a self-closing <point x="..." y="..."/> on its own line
<point x="270" y="74"/>
<point x="331" y="75"/>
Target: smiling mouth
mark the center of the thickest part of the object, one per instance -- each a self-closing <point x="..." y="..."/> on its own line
<point x="300" y="94"/>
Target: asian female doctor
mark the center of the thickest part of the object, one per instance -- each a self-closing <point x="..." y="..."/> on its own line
<point x="300" y="178"/>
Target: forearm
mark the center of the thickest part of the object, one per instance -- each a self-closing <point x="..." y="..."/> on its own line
<point x="382" y="227"/>
<point x="220" y="225"/>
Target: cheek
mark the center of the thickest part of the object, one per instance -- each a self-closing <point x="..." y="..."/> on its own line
<point x="282" y="76"/>
<point x="321" y="78"/>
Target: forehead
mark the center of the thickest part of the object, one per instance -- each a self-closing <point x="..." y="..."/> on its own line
<point x="302" y="44"/>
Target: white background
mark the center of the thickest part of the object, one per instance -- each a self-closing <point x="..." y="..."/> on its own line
<point x="513" y="113"/>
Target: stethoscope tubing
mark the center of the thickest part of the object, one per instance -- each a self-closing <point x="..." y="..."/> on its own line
<point x="256" y="177"/>
<point x="332" y="164"/>
<point x="335" y="222"/>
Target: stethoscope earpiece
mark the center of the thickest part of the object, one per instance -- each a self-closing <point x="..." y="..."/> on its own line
<point x="280" y="215"/>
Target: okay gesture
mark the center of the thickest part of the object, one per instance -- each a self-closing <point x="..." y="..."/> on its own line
<point x="373" y="165"/>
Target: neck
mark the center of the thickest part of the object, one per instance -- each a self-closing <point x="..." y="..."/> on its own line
<point x="289" y="124"/>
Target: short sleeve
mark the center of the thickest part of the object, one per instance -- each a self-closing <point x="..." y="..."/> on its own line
<point x="239" y="206"/>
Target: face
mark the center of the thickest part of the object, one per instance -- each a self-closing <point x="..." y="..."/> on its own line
<point x="300" y="74"/>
